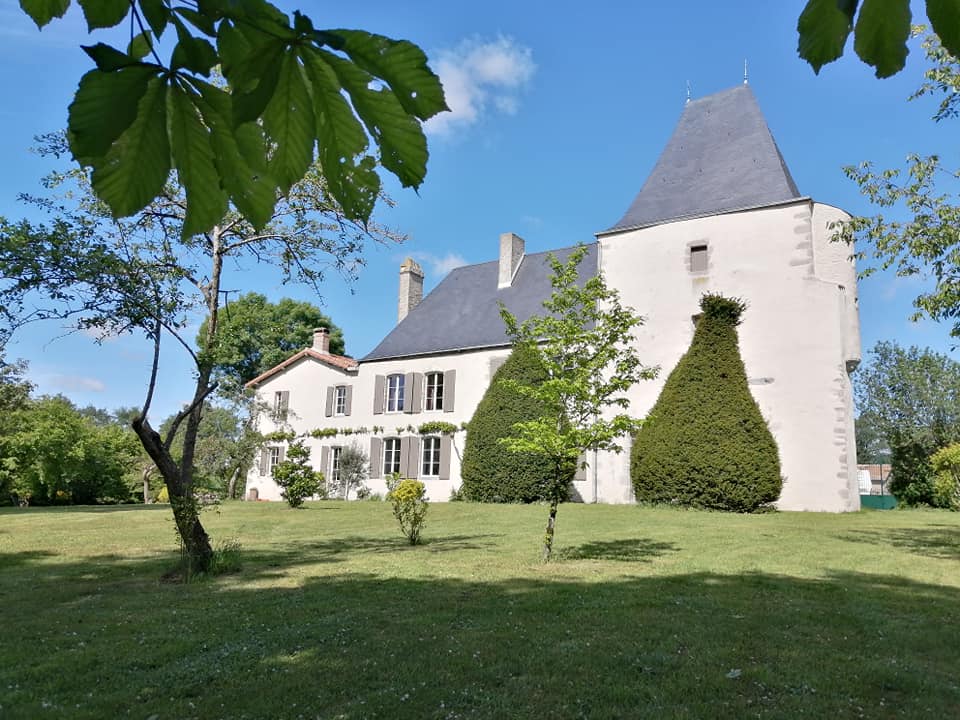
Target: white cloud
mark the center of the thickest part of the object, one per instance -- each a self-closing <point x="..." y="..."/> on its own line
<point x="481" y="77"/>
<point x="76" y="383"/>
<point x="441" y="265"/>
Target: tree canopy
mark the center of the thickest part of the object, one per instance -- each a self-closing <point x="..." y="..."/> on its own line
<point x="913" y="396"/>
<point x="256" y="335"/>
<point x="295" y="96"/>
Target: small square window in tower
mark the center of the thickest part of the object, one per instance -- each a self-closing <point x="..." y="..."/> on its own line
<point x="698" y="258"/>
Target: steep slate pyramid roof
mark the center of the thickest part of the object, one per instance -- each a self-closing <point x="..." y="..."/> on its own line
<point x="720" y="158"/>
<point x="463" y="311"/>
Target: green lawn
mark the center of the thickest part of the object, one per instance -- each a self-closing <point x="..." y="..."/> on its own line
<point x="646" y="613"/>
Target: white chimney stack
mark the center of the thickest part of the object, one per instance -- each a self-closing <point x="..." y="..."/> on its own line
<point x="321" y="340"/>
<point x="411" y="287"/>
<point x="511" y="255"/>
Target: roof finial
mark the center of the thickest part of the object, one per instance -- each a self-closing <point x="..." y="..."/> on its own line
<point x="745" y="71"/>
<point x="688" y="91"/>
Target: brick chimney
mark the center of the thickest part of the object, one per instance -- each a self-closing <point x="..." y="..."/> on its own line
<point x="321" y="340"/>
<point x="511" y="255"/>
<point x="411" y="287"/>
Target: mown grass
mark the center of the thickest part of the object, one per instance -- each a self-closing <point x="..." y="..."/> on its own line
<point x="646" y="614"/>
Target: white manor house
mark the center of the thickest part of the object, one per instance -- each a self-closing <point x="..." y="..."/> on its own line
<point x="719" y="213"/>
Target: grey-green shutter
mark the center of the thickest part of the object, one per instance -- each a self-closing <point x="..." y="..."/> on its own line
<point x="284" y="403"/>
<point x="264" y="460"/>
<point x="324" y="462"/>
<point x="445" y="447"/>
<point x="378" y="383"/>
<point x="348" y="404"/>
<point x="449" y="389"/>
<point x="409" y="393"/>
<point x="412" y="457"/>
<point x="416" y="403"/>
<point x="283" y="453"/>
<point x="376" y="458"/>
<point x="328" y="410"/>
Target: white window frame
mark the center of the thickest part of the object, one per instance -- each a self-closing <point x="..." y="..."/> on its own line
<point x="393" y="397"/>
<point x="391" y="456"/>
<point x="274" y="458"/>
<point x="335" y="463"/>
<point x="433" y="392"/>
<point x="430" y="456"/>
<point x="340" y="400"/>
<point x="279" y="411"/>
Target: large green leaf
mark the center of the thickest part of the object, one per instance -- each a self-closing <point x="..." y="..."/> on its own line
<point x="881" y="33"/>
<point x="156" y="14"/>
<point x="109" y="58"/>
<point x="43" y="11"/>
<point x="342" y="143"/>
<point x="403" y="147"/>
<point x="137" y="165"/>
<point x="402" y="65"/>
<point x="288" y="119"/>
<point x="823" y="27"/>
<point x="194" y="162"/>
<point x="251" y="64"/>
<point x="104" y="13"/>
<point x="195" y="54"/>
<point x="104" y="106"/>
<point x="240" y="156"/>
<point x="944" y="16"/>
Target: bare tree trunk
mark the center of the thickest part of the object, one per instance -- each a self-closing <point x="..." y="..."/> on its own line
<point x="551" y="524"/>
<point x="232" y="484"/>
<point x="195" y="539"/>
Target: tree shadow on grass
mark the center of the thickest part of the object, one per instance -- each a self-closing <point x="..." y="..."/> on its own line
<point x="936" y="541"/>
<point x="381" y="646"/>
<point x="628" y="550"/>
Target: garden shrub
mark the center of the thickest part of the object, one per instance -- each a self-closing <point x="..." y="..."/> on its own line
<point x="490" y="473"/>
<point x="912" y="477"/>
<point x="705" y="443"/>
<point x="409" y="500"/>
<point x="946" y="468"/>
<point x="296" y="477"/>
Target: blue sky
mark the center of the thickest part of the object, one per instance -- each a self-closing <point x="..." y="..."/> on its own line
<point x="559" y="113"/>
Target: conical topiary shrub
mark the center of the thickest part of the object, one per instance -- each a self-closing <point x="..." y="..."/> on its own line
<point x="705" y="443"/>
<point x="491" y="473"/>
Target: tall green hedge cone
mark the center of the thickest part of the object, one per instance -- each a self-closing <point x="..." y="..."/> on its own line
<point x="705" y="443"/>
<point x="490" y="472"/>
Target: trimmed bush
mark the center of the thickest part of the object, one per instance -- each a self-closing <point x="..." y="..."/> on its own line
<point x="409" y="500"/>
<point x="296" y="477"/>
<point x="705" y="443"/>
<point x="490" y="473"/>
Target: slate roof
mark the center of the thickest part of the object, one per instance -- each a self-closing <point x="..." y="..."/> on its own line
<point x="720" y="158"/>
<point x="338" y="361"/>
<point x="462" y="312"/>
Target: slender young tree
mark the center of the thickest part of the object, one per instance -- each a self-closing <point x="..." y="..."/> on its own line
<point x="586" y="346"/>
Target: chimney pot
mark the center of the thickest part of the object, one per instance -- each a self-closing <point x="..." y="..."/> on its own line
<point x="321" y="340"/>
<point x="511" y="255"/>
<point x="411" y="287"/>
